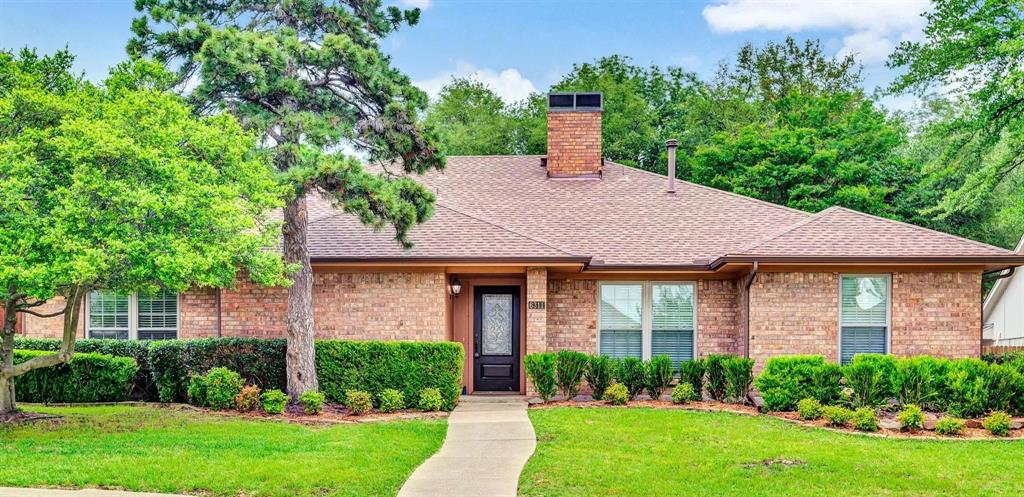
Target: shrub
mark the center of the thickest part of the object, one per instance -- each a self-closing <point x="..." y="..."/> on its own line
<point x="917" y="380"/>
<point x="631" y="373"/>
<point x="809" y="409"/>
<point x="788" y="379"/>
<point x="836" y="415"/>
<point x="274" y="401"/>
<point x="313" y="402"/>
<point x="998" y="423"/>
<point x="966" y="387"/>
<point x="739" y="374"/>
<point x="866" y="381"/>
<point x="885" y="365"/>
<point x="142" y="384"/>
<point x="657" y="376"/>
<point x="87" y="377"/>
<point x="864" y="419"/>
<point x="599" y="374"/>
<point x="197" y="390"/>
<point x="431" y="400"/>
<point x="359" y="402"/>
<point x="692" y="372"/>
<point x="1004" y="384"/>
<point x="248" y="399"/>
<point x="391" y="400"/>
<point x="222" y="388"/>
<point x="683" y="393"/>
<point x="617" y="394"/>
<point x="911" y="417"/>
<point x="259" y="361"/>
<point x="570" y="366"/>
<point x="374" y="366"/>
<point x="950" y="426"/>
<point x="540" y="368"/>
<point x="714" y="366"/>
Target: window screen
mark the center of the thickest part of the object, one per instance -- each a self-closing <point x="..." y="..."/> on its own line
<point x="108" y="314"/>
<point x="672" y="322"/>
<point x="158" y="316"/>
<point x="621" y="320"/>
<point x="864" y="316"/>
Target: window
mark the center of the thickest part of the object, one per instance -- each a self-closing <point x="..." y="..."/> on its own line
<point x="124" y="316"/>
<point x="647" y="319"/>
<point x="863" y="315"/>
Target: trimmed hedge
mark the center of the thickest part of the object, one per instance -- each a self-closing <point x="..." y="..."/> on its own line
<point x="787" y="380"/>
<point x="87" y="377"/>
<point x="143" y="387"/>
<point x="375" y="366"/>
<point x="260" y="362"/>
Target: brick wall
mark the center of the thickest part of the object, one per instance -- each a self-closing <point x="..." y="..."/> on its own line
<point x="197" y="311"/>
<point x="719" y="330"/>
<point x="574" y="143"/>
<point x="381" y="306"/>
<point x="536" y="319"/>
<point x="794" y="313"/>
<point x="37" y="327"/>
<point x="936" y="314"/>
<point x="572" y="315"/>
<point x="250" y="310"/>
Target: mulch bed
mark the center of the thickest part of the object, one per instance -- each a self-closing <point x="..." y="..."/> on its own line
<point x="332" y="414"/>
<point x="888" y="425"/>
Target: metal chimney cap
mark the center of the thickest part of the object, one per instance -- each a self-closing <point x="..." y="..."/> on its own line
<point x="672" y="142"/>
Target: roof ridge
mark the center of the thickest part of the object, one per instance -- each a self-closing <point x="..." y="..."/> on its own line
<point x="716" y="190"/>
<point x="528" y="237"/>
<point x="922" y="228"/>
<point x="799" y="224"/>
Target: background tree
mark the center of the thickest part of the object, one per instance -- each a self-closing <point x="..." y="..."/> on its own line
<point x="973" y="50"/>
<point x="771" y="72"/>
<point x="471" y="119"/>
<point x="118" y="187"/>
<point x="310" y="78"/>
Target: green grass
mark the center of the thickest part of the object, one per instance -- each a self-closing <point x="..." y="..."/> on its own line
<point x="164" y="450"/>
<point x="647" y="452"/>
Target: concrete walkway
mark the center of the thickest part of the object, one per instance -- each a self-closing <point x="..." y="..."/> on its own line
<point x="489" y="440"/>
<point x="89" y="492"/>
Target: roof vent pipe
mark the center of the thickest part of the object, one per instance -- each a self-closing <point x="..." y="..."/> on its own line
<point x="672" y="144"/>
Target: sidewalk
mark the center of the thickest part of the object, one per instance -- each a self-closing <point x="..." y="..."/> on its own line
<point x="489" y="441"/>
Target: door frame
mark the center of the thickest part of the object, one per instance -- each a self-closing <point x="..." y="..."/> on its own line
<point x="516" y="358"/>
<point x="463" y="310"/>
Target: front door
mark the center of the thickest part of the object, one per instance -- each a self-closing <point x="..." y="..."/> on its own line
<point x="496" y="338"/>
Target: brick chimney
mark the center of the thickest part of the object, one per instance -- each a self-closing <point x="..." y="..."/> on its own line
<point x="574" y="135"/>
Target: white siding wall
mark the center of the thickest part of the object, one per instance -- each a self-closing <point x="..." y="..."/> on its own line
<point x="1004" y="319"/>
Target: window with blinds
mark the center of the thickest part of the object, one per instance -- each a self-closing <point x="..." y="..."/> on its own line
<point x="621" y="318"/>
<point x="863" y="316"/>
<point x="647" y="319"/>
<point x="129" y="316"/>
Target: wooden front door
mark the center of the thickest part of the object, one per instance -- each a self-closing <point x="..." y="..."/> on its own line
<point x="496" y="338"/>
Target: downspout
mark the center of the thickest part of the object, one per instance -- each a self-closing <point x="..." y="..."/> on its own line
<point x="216" y="297"/>
<point x="748" y="281"/>
<point x="999" y="275"/>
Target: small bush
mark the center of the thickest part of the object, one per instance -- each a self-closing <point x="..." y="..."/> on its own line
<point x="886" y="366"/>
<point x="617" y="394"/>
<point x="197" y="390"/>
<point x="998" y="423"/>
<point x="836" y="415"/>
<point x="657" y="376"/>
<point x="631" y="373"/>
<point x="950" y="426"/>
<point x="683" y="393"/>
<point x="430" y="399"/>
<point x="570" y="366"/>
<point x="540" y="368"/>
<point x="222" y="388"/>
<point x="87" y="377"/>
<point x="692" y="372"/>
<point x="714" y="366"/>
<point x="866" y="380"/>
<point x="825" y="383"/>
<point x="809" y="409"/>
<point x="259" y="361"/>
<point x="864" y="419"/>
<point x="391" y="400"/>
<point x="911" y="417"/>
<point x="313" y="402"/>
<point x="918" y="380"/>
<point x="274" y="401"/>
<point x="248" y="399"/>
<point x="788" y="379"/>
<point x="1004" y="384"/>
<point x="739" y="374"/>
<point x="599" y="374"/>
<point x="359" y="402"/>
<point x="966" y="387"/>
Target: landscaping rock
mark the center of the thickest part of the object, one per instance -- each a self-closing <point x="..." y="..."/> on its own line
<point x="973" y="423"/>
<point x="889" y="424"/>
<point x="1016" y="423"/>
<point x="929" y="421"/>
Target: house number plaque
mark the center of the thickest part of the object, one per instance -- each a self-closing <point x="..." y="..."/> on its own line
<point x="535" y="304"/>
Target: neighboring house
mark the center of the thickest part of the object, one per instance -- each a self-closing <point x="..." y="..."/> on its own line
<point x="1004" y="308"/>
<point x="570" y="251"/>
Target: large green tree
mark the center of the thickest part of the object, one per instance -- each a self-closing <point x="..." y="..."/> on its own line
<point x="118" y="186"/>
<point x="308" y="76"/>
<point x="972" y="50"/>
<point x="471" y="119"/>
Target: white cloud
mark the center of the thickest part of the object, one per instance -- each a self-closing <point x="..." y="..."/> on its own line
<point x="421" y="4"/>
<point x="874" y="26"/>
<point x="509" y="84"/>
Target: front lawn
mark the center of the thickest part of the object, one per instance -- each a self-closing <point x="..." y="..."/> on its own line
<point x="168" y="450"/>
<point x="648" y="452"/>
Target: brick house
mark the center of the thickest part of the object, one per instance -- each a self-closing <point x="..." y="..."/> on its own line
<point x="531" y="253"/>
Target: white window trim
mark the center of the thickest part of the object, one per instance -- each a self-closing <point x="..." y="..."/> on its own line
<point x="888" y="310"/>
<point x="133" y="316"/>
<point x="647" y="313"/>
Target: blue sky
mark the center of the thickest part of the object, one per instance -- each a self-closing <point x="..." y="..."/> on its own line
<point x="517" y="46"/>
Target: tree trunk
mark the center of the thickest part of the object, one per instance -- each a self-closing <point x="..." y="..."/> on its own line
<point x="7" y="405"/>
<point x="9" y="320"/>
<point x="300" y="359"/>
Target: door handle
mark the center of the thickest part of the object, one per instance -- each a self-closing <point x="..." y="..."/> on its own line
<point x="476" y="354"/>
